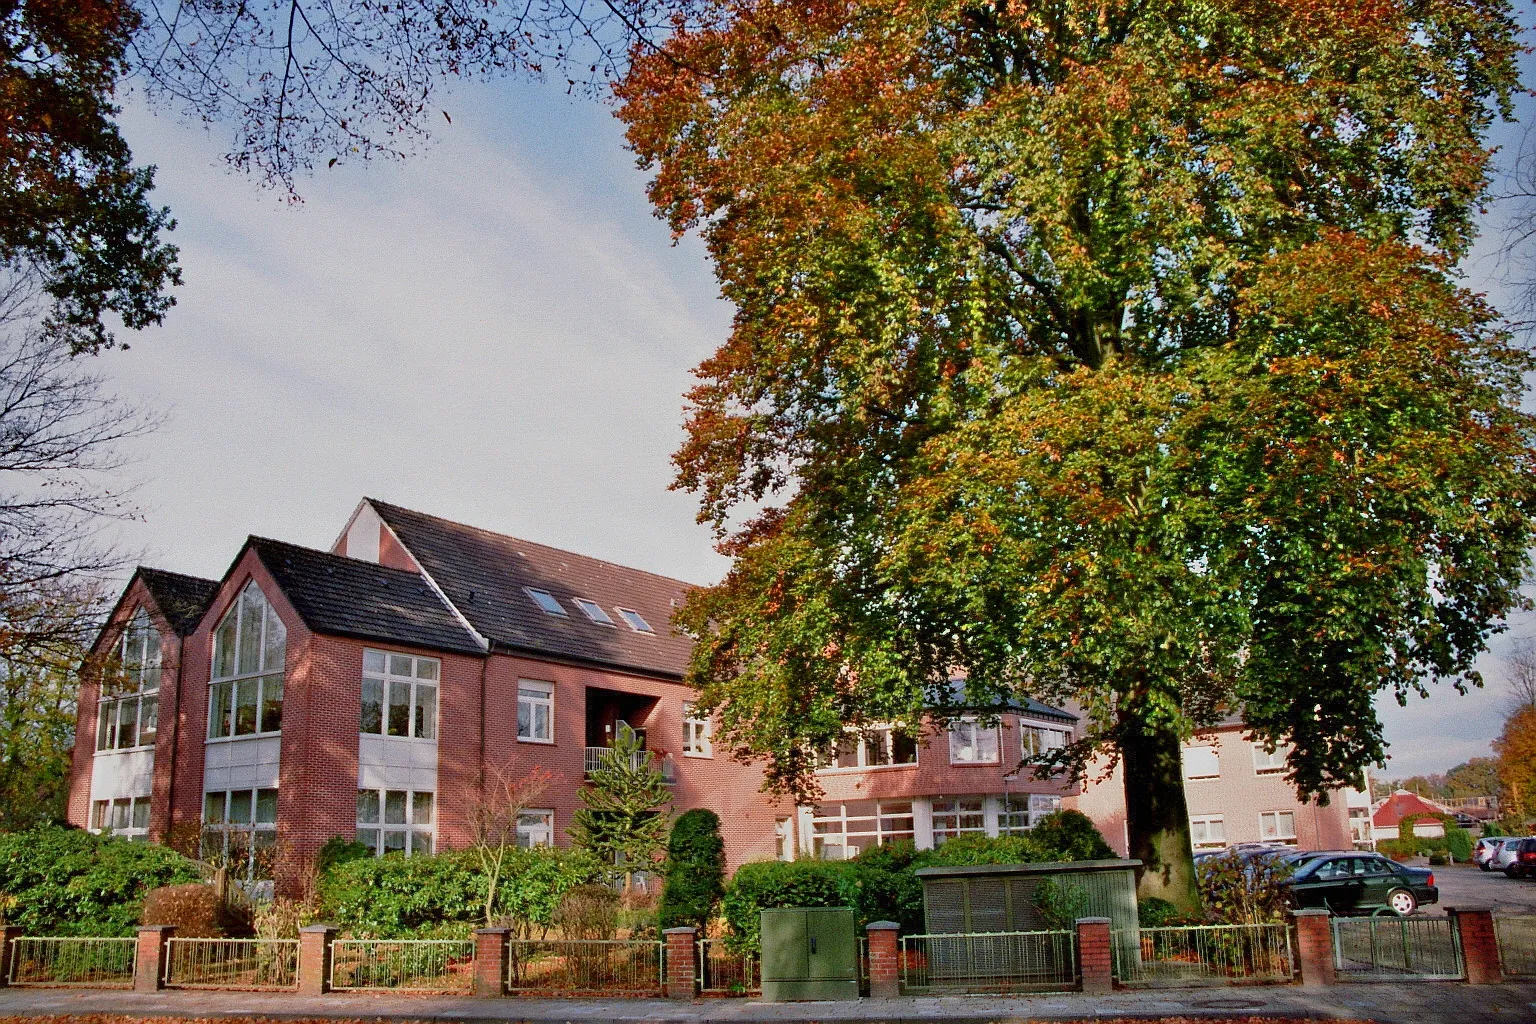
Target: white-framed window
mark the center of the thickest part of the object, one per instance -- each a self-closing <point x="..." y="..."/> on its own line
<point x="128" y="712"/>
<point x="535" y="828"/>
<point x="395" y="820"/>
<point x="1277" y="826"/>
<point x="696" y="734"/>
<point x="1036" y="739"/>
<point x="881" y="746"/>
<point x="956" y="816"/>
<point x="546" y="601"/>
<point x="635" y="620"/>
<point x="842" y="831"/>
<point x="535" y="711"/>
<point x="1021" y="811"/>
<point x="1207" y="831"/>
<point x="594" y="611"/>
<point x="240" y="830"/>
<point x="1201" y="763"/>
<point x="125" y="816"/>
<point x="245" y="694"/>
<point x="1267" y="763"/>
<point x="971" y="743"/>
<point x="783" y="840"/>
<point x="399" y="695"/>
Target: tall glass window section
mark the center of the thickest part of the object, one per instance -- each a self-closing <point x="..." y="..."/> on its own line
<point x="245" y="696"/>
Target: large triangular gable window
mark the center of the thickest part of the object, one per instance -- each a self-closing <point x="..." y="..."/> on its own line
<point x="245" y="694"/>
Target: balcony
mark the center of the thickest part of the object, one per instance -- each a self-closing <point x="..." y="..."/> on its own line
<point x="595" y="757"/>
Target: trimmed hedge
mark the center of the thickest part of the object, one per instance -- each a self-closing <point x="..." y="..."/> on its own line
<point x="695" y="870"/>
<point x="67" y="881"/>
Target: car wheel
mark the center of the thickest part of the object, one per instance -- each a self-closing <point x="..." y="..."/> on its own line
<point x="1511" y="873"/>
<point x="1485" y="866"/>
<point x="1402" y="902"/>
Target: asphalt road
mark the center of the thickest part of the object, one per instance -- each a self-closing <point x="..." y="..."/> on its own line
<point x="1469" y="886"/>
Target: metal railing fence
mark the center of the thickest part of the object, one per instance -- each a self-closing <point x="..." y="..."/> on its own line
<point x="232" y="963"/>
<point x="1204" y="954"/>
<point x="1397" y="948"/>
<point x="594" y="758"/>
<point x="586" y="966"/>
<point x="419" y="965"/>
<point x="37" y="960"/>
<point x="988" y="961"/>
<point x="723" y="970"/>
<point x="1517" y="945"/>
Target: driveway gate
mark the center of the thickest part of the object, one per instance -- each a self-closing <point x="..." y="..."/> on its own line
<point x="1397" y="948"/>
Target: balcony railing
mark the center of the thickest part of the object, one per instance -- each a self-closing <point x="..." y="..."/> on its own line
<point x="595" y="756"/>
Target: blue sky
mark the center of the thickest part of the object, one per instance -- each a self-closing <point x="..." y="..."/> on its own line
<point x="497" y="331"/>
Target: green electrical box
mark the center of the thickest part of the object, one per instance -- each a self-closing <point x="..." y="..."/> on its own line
<point x="809" y="953"/>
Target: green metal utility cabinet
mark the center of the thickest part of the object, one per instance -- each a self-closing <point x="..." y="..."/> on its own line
<point x="809" y="953"/>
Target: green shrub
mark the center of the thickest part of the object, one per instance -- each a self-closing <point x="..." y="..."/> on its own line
<point x="1439" y="858"/>
<point x="875" y="893"/>
<point x="67" y="881"/>
<point x="1060" y="903"/>
<point x="1238" y="891"/>
<point x="589" y="912"/>
<point x="695" y="870"/>
<point x="1458" y="843"/>
<point x="1156" y="912"/>
<point x="339" y="850"/>
<point x="1069" y="835"/>
<point x="979" y="849"/>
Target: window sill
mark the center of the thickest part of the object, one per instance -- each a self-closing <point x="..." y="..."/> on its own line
<point x="974" y="764"/>
<point x="125" y="750"/>
<point x="247" y="736"/>
<point x="866" y="768"/>
<point x="387" y="736"/>
<point x="1202" y="778"/>
<point x="703" y="757"/>
<point x="529" y="739"/>
<point x="1269" y="771"/>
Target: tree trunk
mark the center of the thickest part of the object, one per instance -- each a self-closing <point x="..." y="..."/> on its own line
<point x="1156" y="816"/>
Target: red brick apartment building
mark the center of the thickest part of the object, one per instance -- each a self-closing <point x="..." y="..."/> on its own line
<point x="370" y="691"/>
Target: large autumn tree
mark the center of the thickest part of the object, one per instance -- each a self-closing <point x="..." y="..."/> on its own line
<point x="1111" y="352"/>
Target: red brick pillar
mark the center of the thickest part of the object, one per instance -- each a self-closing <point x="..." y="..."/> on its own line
<point x="1095" y="968"/>
<point x="149" y="961"/>
<point x="1314" y="947"/>
<point x="1479" y="944"/>
<point x="884" y="960"/>
<point x="491" y="961"/>
<point x="8" y="936"/>
<point x="682" y="963"/>
<point x="315" y="958"/>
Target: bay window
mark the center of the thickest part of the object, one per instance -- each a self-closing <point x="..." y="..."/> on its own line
<point x="395" y="820"/>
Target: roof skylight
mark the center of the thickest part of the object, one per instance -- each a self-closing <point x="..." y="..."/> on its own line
<point x="594" y="611"/>
<point x="545" y="600"/>
<point x="636" y="620"/>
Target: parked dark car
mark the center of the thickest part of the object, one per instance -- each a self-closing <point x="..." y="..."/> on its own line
<point x="1361" y="883"/>
<point x="1523" y="865"/>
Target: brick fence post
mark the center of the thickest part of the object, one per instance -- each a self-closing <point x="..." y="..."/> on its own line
<point x="1095" y="969"/>
<point x="1479" y="944"/>
<point x="8" y="936"/>
<point x="682" y="963"/>
<point x="149" y="961"/>
<point x="315" y="958"/>
<point x="884" y="961"/>
<point x="1314" y="947"/>
<point x="491" y="961"/>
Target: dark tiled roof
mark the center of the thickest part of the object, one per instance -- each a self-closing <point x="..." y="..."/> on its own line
<point x="484" y="573"/>
<point x="345" y="597"/>
<point x="182" y="599"/>
<point x="1013" y="705"/>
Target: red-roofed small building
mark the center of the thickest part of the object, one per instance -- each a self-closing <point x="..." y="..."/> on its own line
<point x="1401" y="804"/>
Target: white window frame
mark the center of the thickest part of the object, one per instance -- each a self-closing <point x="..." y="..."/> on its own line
<point x="1043" y="735"/>
<point x="137" y="669"/>
<point x="380" y="829"/>
<point x="539" y="693"/>
<point x="884" y="826"/>
<point x="698" y="734"/>
<point x="631" y="617"/>
<point x="966" y="735"/>
<point x="1200" y="831"/>
<point x="1266" y="763"/>
<point x="594" y="611"/>
<point x="258" y="835"/>
<point x="1014" y="819"/>
<point x="1275" y="817"/>
<point x="951" y="818"/>
<point x="126" y="816"/>
<point x="535" y="827"/>
<point x="885" y="735"/>
<point x="1215" y="759"/>
<point x="271" y="640"/>
<point x="554" y="608"/>
<point x="421" y="681"/>
<point x="783" y="839"/>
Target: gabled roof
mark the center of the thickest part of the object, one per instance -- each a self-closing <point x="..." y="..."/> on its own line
<point x="181" y="599"/>
<point x="343" y="596"/>
<point x="960" y="702"/>
<point x="1399" y="806"/>
<point x="484" y="575"/>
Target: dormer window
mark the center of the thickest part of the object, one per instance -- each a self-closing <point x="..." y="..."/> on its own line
<point x="546" y="601"/>
<point x="594" y="611"/>
<point x="636" y="620"/>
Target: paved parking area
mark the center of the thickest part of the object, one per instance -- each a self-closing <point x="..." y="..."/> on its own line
<point x="1468" y="886"/>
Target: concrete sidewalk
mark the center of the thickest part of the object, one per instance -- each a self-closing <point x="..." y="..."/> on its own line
<point x="1419" y="1003"/>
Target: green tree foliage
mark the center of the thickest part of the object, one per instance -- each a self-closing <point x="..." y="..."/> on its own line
<point x="1236" y="890"/>
<point x="67" y="881"/>
<point x="73" y="208"/>
<point x="1114" y="352"/>
<point x="621" y="820"/>
<point x="37" y="738"/>
<point x="695" y="870"/>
